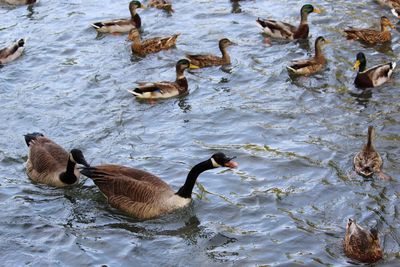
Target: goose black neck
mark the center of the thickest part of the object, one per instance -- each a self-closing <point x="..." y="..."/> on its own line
<point x="137" y="20"/>
<point x="186" y="190"/>
<point x="68" y="177"/>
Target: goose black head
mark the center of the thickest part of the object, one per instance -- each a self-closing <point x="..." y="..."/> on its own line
<point x="76" y="156"/>
<point x="219" y="159"/>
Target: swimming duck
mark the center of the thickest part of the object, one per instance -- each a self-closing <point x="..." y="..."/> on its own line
<point x="159" y="90"/>
<point x="374" y="76"/>
<point x="208" y="60"/>
<point x="48" y="163"/>
<point x="12" y="52"/>
<point x="152" y="45"/>
<point x="361" y="244"/>
<point x="312" y="65"/>
<point x="144" y="195"/>
<point x="390" y="3"/>
<point x="368" y="161"/>
<point x="161" y="4"/>
<point x="121" y="25"/>
<point x="19" y="2"/>
<point x="283" y="30"/>
<point x="371" y="36"/>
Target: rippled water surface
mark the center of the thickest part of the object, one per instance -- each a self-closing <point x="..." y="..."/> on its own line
<point x="287" y="203"/>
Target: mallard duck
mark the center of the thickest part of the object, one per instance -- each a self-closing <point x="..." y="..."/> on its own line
<point x="368" y="161"/>
<point x="48" y="163"/>
<point x="12" y="52"/>
<point x="371" y="36"/>
<point x="283" y="30"/>
<point x="19" y="2"/>
<point x="374" y="76"/>
<point x="121" y="25"/>
<point x="361" y="244"/>
<point x="207" y="60"/>
<point x="390" y="3"/>
<point x="144" y="195"/>
<point x="159" y="90"/>
<point x="152" y="45"/>
<point x="161" y="4"/>
<point x="312" y="65"/>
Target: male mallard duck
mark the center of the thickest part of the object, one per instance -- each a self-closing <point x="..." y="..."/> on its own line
<point x="144" y="195"/>
<point x="121" y="25"/>
<point x="371" y="36"/>
<point x="361" y="244"/>
<point x="12" y="52"/>
<point x="390" y="3"/>
<point x="165" y="89"/>
<point x="48" y="163"/>
<point x="203" y="61"/>
<point x="368" y="161"/>
<point x="19" y="2"/>
<point x="374" y="76"/>
<point x="152" y="45"/>
<point x="312" y="65"/>
<point x="161" y="4"/>
<point x="283" y="30"/>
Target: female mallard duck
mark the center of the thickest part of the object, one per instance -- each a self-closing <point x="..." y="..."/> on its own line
<point x="312" y="65"/>
<point x="203" y="61"/>
<point x="159" y="90"/>
<point x="144" y="195"/>
<point x="121" y="25"/>
<point x="371" y="36"/>
<point x="152" y="45"/>
<point x="374" y="76"/>
<point x="361" y="244"/>
<point x="368" y="161"/>
<point x="48" y="163"/>
<point x="161" y="4"/>
<point x="19" y="2"/>
<point x="12" y="52"/>
<point x="283" y="30"/>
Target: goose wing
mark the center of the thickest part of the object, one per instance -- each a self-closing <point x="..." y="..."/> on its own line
<point x="47" y="156"/>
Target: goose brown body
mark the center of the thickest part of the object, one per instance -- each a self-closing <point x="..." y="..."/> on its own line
<point x="152" y="45"/>
<point x="361" y="244"/>
<point x="372" y="36"/>
<point x="209" y="60"/>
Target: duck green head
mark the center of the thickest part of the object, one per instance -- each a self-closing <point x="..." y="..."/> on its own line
<point x="135" y="4"/>
<point x="361" y="62"/>
<point x="307" y="9"/>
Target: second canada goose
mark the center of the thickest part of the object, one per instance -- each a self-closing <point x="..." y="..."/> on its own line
<point x="368" y="161"/>
<point x="48" y="163"/>
<point x="12" y="52"/>
<point x="144" y="195"/>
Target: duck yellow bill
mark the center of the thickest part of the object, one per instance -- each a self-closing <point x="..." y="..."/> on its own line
<point x="356" y="65"/>
<point x="193" y="66"/>
<point x="317" y="10"/>
<point x="327" y="41"/>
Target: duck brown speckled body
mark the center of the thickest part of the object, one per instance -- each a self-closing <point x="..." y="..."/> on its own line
<point x="144" y="195"/>
<point x="368" y="161"/>
<point x="361" y="244"/>
<point x="372" y="36"/>
<point x="152" y="45"/>
<point x="312" y="65"/>
<point x="208" y="60"/>
<point x="161" y="4"/>
<point x="283" y="30"/>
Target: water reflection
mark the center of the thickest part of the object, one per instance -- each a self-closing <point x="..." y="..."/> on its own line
<point x="235" y="6"/>
<point x="362" y="98"/>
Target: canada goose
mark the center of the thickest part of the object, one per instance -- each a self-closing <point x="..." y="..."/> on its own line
<point x="19" y="2"/>
<point x="48" y="163"/>
<point x="12" y="52"/>
<point x="121" y="25"/>
<point x="208" y="60"/>
<point x="361" y="244"/>
<point x="152" y="45"/>
<point x="312" y="65"/>
<point x="368" y="161"/>
<point x="143" y="195"/>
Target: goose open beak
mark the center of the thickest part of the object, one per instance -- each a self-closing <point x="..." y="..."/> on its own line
<point x="231" y="164"/>
<point x="356" y="65"/>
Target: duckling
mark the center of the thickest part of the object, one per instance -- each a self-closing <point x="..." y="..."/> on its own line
<point x="161" y="4"/>
<point x="283" y="30"/>
<point x="361" y="244"/>
<point x="12" y="52"/>
<point x="371" y="36"/>
<point x="143" y="195"/>
<point x="19" y="2"/>
<point x="208" y="60"/>
<point x="312" y="65"/>
<point x="368" y="161"/>
<point x="152" y="45"/>
<point x="159" y="90"/>
<point x="374" y="76"/>
<point x="48" y="163"/>
<point x="121" y="25"/>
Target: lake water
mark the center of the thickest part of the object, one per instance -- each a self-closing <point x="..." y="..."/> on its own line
<point x="288" y="202"/>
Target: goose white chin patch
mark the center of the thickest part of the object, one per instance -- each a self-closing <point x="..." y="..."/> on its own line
<point x="72" y="158"/>
<point x="214" y="163"/>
